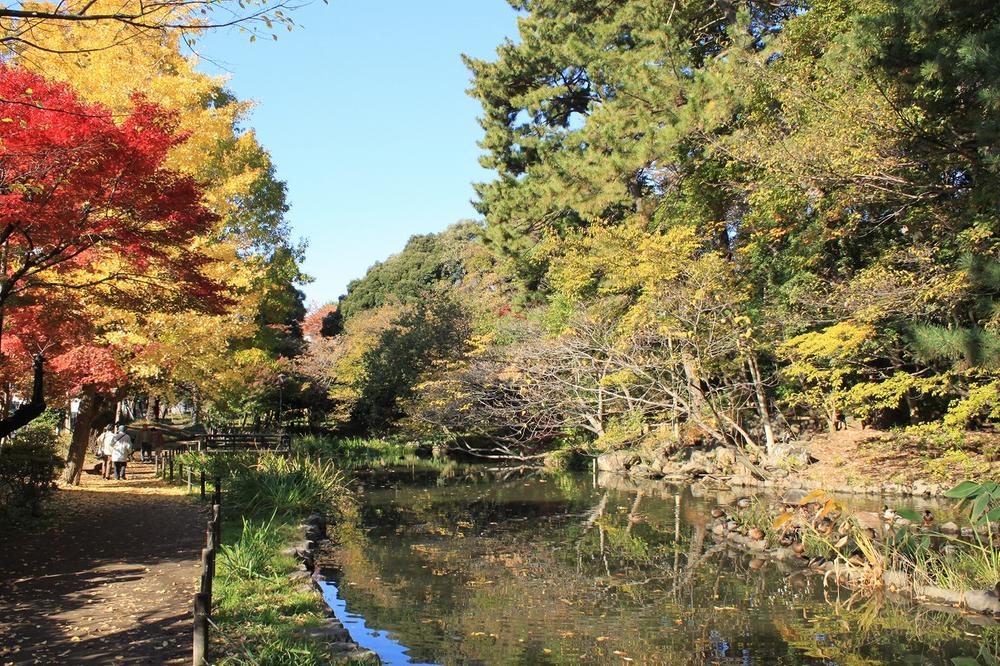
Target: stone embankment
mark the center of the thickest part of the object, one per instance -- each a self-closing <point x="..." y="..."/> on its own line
<point x="723" y="465"/>
<point x="850" y="574"/>
<point x="720" y="475"/>
<point x="314" y="531"/>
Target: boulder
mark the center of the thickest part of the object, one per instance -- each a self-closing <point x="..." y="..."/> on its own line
<point x="699" y="463"/>
<point x="982" y="602"/>
<point x="724" y="457"/>
<point x="318" y="521"/>
<point x="939" y="594"/>
<point x="793" y="496"/>
<point x="644" y="469"/>
<point x="616" y="461"/>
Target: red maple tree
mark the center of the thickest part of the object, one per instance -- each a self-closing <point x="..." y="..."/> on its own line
<point x="87" y="206"/>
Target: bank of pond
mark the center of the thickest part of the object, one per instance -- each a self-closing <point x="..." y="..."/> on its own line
<point x="452" y="563"/>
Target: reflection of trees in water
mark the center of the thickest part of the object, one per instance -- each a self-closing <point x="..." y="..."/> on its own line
<point x="533" y="572"/>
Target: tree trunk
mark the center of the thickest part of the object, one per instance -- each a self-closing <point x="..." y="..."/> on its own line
<point x="765" y="416"/>
<point x="693" y="381"/>
<point x="90" y="405"/>
<point x="149" y="408"/>
<point x="196" y="406"/>
<point x="31" y="410"/>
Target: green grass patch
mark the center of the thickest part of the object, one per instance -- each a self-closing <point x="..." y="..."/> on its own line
<point x="357" y="452"/>
<point x="261" y="615"/>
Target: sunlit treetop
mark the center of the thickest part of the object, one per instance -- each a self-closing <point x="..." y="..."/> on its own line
<point x="20" y="20"/>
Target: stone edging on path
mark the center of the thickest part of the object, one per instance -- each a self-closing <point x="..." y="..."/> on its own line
<point x="313" y="531"/>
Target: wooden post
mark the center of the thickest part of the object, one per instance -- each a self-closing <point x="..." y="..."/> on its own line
<point x="207" y="555"/>
<point x="217" y="522"/>
<point x="189" y="477"/>
<point x="170" y="457"/>
<point x="218" y="491"/>
<point x="203" y="484"/>
<point x="202" y="611"/>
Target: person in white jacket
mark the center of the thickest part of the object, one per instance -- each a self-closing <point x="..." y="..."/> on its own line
<point x="104" y="450"/>
<point x="120" y="447"/>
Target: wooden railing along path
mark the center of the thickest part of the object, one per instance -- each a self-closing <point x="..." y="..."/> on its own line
<point x="244" y="441"/>
<point x="166" y="464"/>
<point x="203" y="599"/>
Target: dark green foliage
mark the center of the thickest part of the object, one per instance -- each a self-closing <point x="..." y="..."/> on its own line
<point x="28" y="466"/>
<point x="282" y="307"/>
<point x="333" y="324"/>
<point x="432" y="331"/>
<point x="427" y="262"/>
<point x="943" y="56"/>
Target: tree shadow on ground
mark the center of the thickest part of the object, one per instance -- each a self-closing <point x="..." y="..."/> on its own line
<point x="112" y="581"/>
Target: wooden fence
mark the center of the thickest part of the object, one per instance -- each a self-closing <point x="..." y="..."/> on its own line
<point x="166" y="465"/>
<point x="203" y="599"/>
<point x="244" y="441"/>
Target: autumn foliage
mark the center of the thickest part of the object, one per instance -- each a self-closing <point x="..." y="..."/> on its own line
<point x="90" y="220"/>
<point x="82" y="193"/>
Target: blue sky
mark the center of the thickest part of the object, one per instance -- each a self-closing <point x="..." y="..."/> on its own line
<point x="364" y="111"/>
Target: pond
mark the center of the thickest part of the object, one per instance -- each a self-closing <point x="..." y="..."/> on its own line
<point x="466" y="565"/>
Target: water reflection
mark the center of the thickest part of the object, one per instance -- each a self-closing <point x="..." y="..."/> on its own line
<point x="471" y="566"/>
<point x="380" y="642"/>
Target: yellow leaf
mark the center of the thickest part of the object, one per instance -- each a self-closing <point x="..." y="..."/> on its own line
<point x="812" y="497"/>
<point x="781" y="520"/>
<point x="827" y="508"/>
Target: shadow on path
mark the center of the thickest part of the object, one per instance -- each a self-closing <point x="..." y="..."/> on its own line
<point x="112" y="583"/>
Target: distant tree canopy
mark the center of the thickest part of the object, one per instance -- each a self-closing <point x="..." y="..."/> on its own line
<point x="742" y="219"/>
<point x="426" y="263"/>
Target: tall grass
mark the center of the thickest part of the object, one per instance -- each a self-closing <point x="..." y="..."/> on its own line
<point x="355" y="452"/>
<point x="262" y="614"/>
<point x="288" y="487"/>
<point x="958" y="565"/>
<point x="252" y="555"/>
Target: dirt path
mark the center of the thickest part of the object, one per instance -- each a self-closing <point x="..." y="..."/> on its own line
<point x="111" y="582"/>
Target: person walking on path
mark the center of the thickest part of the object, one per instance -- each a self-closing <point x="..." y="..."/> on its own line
<point x="104" y="450"/>
<point x="156" y="442"/>
<point x="121" y="451"/>
<point x="146" y="444"/>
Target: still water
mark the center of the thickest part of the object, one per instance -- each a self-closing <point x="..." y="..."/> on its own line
<point x="461" y="565"/>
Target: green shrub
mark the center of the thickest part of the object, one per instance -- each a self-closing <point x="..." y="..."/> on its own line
<point x="621" y="432"/>
<point x="253" y="555"/>
<point x="566" y="460"/>
<point x="28" y="466"/>
<point x="287" y="486"/>
<point x="355" y="452"/>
